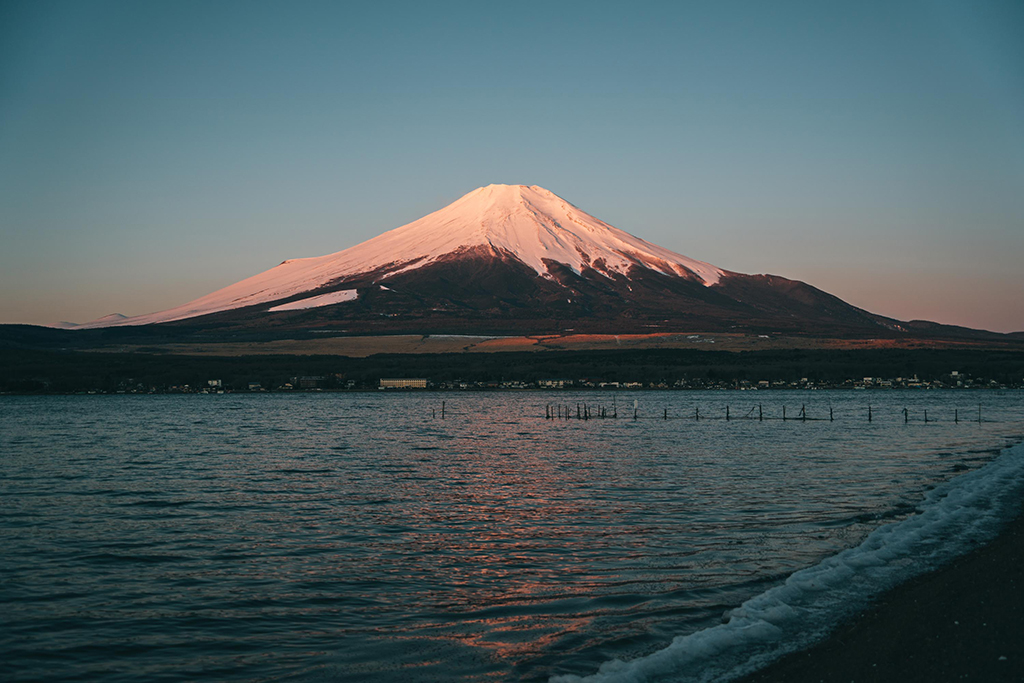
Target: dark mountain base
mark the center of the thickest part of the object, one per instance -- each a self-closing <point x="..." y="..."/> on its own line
<point x="485" y="293"/>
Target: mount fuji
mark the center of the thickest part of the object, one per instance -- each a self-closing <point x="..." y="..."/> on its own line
<point x="513" y="258"/>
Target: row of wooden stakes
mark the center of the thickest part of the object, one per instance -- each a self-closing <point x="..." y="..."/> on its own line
<point x="587" y="412"/>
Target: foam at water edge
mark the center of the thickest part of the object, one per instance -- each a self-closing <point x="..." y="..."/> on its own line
<point x="953" y="517"/>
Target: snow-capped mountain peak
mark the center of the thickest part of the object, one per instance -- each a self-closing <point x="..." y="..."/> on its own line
<point x="534" y="225"/>
<point x="526" y="223"/>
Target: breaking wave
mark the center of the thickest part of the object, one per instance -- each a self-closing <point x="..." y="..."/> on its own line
<point x="953" y="518"/>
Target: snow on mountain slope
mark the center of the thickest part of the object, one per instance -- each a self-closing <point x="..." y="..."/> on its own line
<point x="317" y="301"/>
<point x="530" y="224"/>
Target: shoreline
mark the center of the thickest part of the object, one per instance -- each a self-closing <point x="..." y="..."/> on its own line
<point x="962" y="621"/>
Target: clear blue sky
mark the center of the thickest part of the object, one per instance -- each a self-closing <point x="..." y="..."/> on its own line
<point x="152" y="152"/>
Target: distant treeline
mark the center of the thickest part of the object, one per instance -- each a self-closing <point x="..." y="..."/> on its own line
<point x="26" y="371"/>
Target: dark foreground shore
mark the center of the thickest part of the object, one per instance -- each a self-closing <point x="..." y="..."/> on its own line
<point x="964" y="622"/>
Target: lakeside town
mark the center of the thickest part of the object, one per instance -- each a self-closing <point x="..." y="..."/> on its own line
<point x="338" y="382"/>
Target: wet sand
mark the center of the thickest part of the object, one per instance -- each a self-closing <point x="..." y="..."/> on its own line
<point x="964" y="622"/>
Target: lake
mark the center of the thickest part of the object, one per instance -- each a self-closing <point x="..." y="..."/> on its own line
<point x="361" y="537"/>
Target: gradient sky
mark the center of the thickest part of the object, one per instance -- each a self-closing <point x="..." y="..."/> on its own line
<point x="153" y="152"/>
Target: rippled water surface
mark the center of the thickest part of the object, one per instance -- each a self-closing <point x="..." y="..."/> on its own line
<point x="355" y="537"/>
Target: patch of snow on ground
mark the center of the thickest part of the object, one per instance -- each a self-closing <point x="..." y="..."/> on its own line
<point x="317" y="301"/>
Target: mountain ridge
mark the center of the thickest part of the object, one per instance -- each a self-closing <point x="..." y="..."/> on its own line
<point x="516" y="258"/>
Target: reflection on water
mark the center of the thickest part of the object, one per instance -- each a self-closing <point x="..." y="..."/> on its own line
<point x="352" y="537"/>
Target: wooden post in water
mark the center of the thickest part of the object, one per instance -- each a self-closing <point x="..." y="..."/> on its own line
<point x="433" y="413"/>
<point x="696" y="413"/>
<point x="760" y="413"/>
<point x="956" y="415"/>
<point x="634" y="412"/>
<point x="783" y="413"/>
<point x="727" y="413"/>
<point x="442" y="410"/>
<point x="666" y="413"/>
<point x="577" y="411"/>
<point x="926" y="417"/>
<point x="830" y="413"/>
<point x="979" y="413"/>
<point x="869" y="413"/>
<point x="905" y="416"/>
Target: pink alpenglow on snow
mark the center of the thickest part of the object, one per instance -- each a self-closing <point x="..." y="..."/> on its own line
<point x="527" y="223"/>
<point x="317" y="301"/>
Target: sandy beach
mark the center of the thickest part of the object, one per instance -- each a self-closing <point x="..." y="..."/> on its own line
<point x="962" y="622"/>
